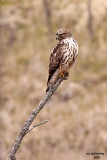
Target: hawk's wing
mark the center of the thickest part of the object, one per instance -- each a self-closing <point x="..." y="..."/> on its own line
<point x="55" y="60"/>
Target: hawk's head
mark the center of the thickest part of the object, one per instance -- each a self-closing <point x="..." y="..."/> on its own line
<point x="62" y="34"/>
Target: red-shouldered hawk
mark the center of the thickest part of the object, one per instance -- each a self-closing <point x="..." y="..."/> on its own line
<point x="62" y="57"/>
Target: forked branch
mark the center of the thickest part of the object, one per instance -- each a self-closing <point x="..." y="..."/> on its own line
<point x="36" y="126"/>
<point x="26" y="126"/>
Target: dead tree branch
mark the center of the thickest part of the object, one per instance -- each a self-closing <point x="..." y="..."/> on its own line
<point x="25" y="128"/>
<point x="36" y="126"/>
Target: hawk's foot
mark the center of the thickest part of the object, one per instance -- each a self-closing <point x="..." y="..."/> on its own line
<point x="61" y="75"/>
<point x="65" y="75"/>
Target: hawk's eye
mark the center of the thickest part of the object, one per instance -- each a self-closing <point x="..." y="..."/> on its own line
<point x="62" y="34"/>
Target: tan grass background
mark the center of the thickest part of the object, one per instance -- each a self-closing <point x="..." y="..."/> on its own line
<point x="77" y="113"/>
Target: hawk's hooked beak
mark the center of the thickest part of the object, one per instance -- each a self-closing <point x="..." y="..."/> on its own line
<point x="56" y="37"/>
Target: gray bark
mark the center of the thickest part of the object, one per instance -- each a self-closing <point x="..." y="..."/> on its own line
<point x="26" y="126"/>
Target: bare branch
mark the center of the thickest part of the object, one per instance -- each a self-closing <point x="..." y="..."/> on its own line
<point x="36" y="126"/>
<point x="28" y="122"/>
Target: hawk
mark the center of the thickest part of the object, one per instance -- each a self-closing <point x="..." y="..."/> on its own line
<point x="62" y="57"/>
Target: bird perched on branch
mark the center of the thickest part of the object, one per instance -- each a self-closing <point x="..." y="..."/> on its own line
<point x="62" y="57"/>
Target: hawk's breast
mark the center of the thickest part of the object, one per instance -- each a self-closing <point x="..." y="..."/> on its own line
<point x="69" y="51"/>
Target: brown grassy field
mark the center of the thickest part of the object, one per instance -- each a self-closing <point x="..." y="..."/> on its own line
<point x="77" y="112"/>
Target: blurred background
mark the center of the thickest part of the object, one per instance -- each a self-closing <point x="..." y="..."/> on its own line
<point x="77" y="112"/>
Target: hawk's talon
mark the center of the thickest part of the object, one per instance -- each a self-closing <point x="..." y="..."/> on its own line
<point x="64" y="75"/>
<point x="61" y="75"/>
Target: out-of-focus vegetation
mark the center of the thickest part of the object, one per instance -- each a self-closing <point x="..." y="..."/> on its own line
<point x="77" y="113"/>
